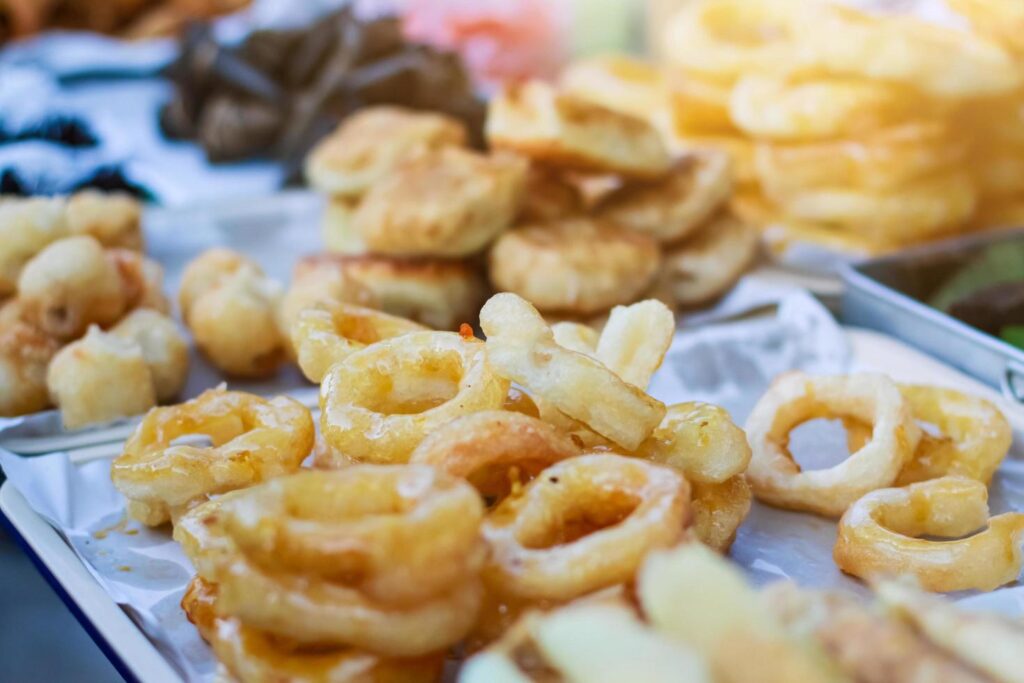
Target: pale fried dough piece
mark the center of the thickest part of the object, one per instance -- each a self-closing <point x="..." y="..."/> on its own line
<point x="25" y="351"/>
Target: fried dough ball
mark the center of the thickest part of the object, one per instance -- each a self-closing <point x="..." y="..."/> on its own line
<point x="575" y="266"/>
<point x="164" y="348"/>
<point x="559" y="129"/>
<point x="704" y="267"/>
<point x="205" y="272"/>
<point x="26" y="227"/>
<point x="236" y="326"/>
<point x="673" y="208"/>
<point x="338" y="232"/>
<point x="448" y="202"/>
<point x="99" y="378"/>
<point x="115" y="219"/>
<point x="368" y="144"/>
<point x="70" y="285"/>
<point x="438" y="294"/>
<point x="142" y="280"/>
<point x="24" y="354"/>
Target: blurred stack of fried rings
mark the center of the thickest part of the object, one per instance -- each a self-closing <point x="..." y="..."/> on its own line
<point x="863" y="132"/>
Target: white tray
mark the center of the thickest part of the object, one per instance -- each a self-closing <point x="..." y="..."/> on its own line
<point x="136" y="656"/>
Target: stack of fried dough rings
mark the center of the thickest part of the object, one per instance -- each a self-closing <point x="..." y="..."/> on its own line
<point x="902" y="487"/>
<point x="457" y="484"/>
<point x="862" y="131"/>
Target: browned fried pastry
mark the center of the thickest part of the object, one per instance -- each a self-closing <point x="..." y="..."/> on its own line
<point x="559" y="129"/>
<point x="163" y="348"/>
<point x="142" y="280"/>
<point x="704" y="267"/>
<point x="447" y="202"/>
<point x="368" y="144"/>
<point x="337" y="228"/>
<point x="70" y="285"/>
<point x="436" y="293"/>
<point x="115" y="219"/>
<point x="205" y="272"/>
<point x="575" y="266"/>
<point x="25" y="351"/>
<point x="672" y="208"/>
<point x="867" y="646"/>
<point x="26" y="227"/>
<point x="99" y="378"/>
<point x="549" y="196"/>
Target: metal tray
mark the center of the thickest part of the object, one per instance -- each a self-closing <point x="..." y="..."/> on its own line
<point x="888" y="294"/>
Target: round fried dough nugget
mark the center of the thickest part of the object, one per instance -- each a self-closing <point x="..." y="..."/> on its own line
<point x="337" y="229"/>
<point x="438" y="294"/>
<point x="672" y="208"/>
<point x="115" y="219"/>
<point x="205" y="272"/>
<point x="559" y="129"/>
<point x="575" y="266"/>
<point x="549" y="196"/>
<point x="235" y="325"/>
<point x="26" y="227"/>
<point x="99" y="378"/>
<point x="163" y="345"/>
<point x="70" y="285"/>
<point x="704" y="267"/>
<point x="448" y="202"/>
<point x="142" y="280"/>
<point x="368" y="144"/>
<point x="25" y="353"/>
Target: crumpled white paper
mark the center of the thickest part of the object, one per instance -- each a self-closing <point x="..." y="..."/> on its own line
<point x="730" y="364"/>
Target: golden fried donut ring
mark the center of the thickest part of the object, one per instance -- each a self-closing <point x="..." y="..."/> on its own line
<point x="876" y="536"/>
<point x="707" y="264"/>
<point x="672" y="208"/>
<point x="253" y="656"/>
<point x="253" y="439"/>
<point x="584" y="523"/>
<point x="444" y="203"/>
<point x="701" y="441"/>
<point x="521" y="347"/>
<point x="576" y="265"/>
<point x="975" y="435"/>
<point x="617" y="82"/>
<point x="719" y="510"/>
<point x="494" y="450"/>
<point x="382" y="401"/>
<point x="563" y="130"/>
<point x="794" y="398"/>
<point x="303" y="580"/>
<point x="331" y="332"/>
<point x="369" y="143"/>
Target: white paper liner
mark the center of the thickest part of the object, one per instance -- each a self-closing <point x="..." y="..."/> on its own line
<point x="729" y="364"/>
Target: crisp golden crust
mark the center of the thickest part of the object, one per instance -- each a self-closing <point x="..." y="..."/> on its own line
<point x="567" y="131"/>
<point x="549" y="196"/>
<point x="142" y="280"/>
<point x="205" y="272"/>
<point x="705" y="266"/>
<point x="24" y="354"/>
<point x="337" y="229"/>
<point x="447" y="202"/>
<point x="671" y="209"/>
<point x="115" y="219"/>
<point x="99" y="378"/>
<point x="26" y="227"/>
<point x="574" y="266"/>
<point x="163" y="346"/>
<point x="438" y="294"/>
<point x="368" y="144"/>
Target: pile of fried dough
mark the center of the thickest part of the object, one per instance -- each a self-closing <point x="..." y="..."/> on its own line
<point x="865" y="132"/>
<point x="524" y="498"/>
<point x="83" y="319"/>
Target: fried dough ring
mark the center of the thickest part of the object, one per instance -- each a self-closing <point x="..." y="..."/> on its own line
<point x="617" y="82"/>
<point x="382" y="401"/>
<point x="253" y="656"/>
<point x="975" y="435"/>
<point x="253" y="439"/>
<point x="876" y="536"/>
<point x="563" y="130"/>
<point x="575" y="266"/>
<point x="447" y="203"/>
<point x="673" y="208"/>
<point x="522" y="348"/>
<point x="794" y="398"/>
<point x="719" y="510"/>
<point x="583" y="524"/>
<point x="494" y="450"/>
<point x="705" y="266"/>
<point x="330" y="332"/>
<point x="304" y="579"/>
